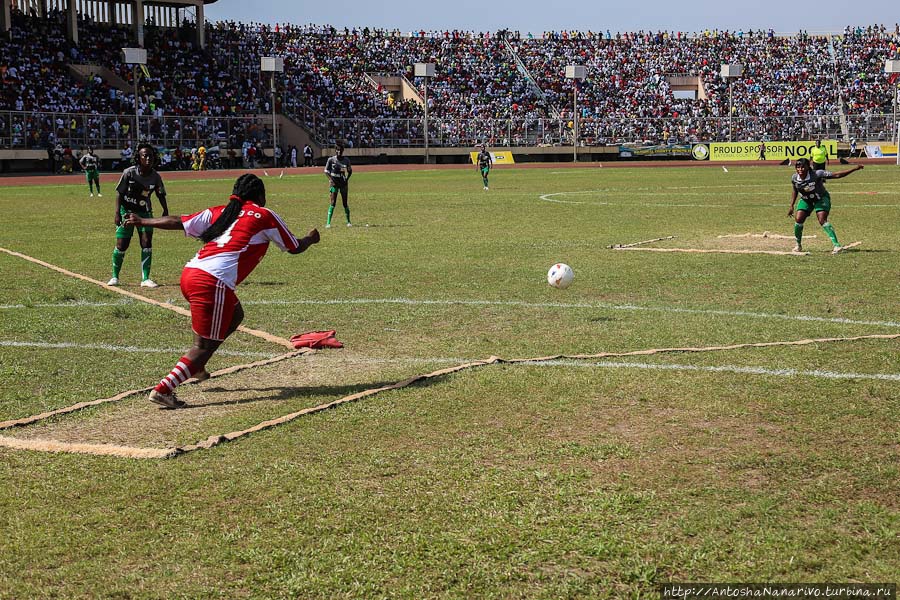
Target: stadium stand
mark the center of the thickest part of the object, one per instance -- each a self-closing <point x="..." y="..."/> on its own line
<point x="504" y="88"/>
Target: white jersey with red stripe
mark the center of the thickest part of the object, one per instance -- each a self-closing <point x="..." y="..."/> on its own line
<point x="234" y="254"/>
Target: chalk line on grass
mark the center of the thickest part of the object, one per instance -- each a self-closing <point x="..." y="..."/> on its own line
<point x="215" y="440"/>
<point x="523" y="304"/>
<point x="715" y="251"/>
<point x="182" y="311"/>
<point x="127" y="394"/>
<point x="128" y="349"/>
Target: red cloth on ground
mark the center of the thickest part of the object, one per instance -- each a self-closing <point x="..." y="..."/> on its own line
<point x="316" y="339"/>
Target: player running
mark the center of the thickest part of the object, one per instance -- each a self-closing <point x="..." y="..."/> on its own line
<point x="810" y="186"/>
<point x="133" y="193"/>
<point x="338" y="170"/>
<point x="90" y="164"/>
<point x="237" y="236"/>
<point x="483" y="163"/>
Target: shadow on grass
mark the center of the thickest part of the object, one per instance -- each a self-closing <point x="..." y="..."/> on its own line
<point x="279" y="393"/>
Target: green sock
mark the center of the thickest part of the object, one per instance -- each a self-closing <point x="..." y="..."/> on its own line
<point x="146" y="261"/>
<point x="830" y="231"/>
<point x="330" y="212"/>
<point x="798" y="233"/>
<point x="347" y="210"/>
<point x="118" y="259"/>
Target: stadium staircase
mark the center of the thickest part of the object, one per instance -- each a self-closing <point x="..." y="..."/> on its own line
<point x="401" y="87"/>
<point x="85" y="73"/>
<point x="291" y="133"/>
<point x="532" y="83"/>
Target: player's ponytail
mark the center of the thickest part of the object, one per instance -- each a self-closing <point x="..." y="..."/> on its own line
<point x="247" y="188"/>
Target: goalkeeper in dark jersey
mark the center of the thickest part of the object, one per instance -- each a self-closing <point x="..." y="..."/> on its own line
<point x="133" y="193"/>
<point x="90" y="164"/>
<point x="338" y="170"/>
<point x="810" y="186"/>
<point x="483" y="163"/>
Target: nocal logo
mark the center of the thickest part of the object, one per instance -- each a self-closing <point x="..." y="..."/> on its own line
<point x="700" y="152"/>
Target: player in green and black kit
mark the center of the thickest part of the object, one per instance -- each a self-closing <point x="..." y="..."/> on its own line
<point x="484" y="162"/>
<point x="338" y="170"/>
<point x="133" y="196"/>
<point x="810" y="186"/>
<point x="90" y="164"/>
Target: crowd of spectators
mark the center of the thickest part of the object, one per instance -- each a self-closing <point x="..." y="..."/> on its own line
<point x="503" y="87"/>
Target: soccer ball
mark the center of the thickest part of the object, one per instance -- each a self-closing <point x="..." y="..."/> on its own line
<point x="560" y="276"/>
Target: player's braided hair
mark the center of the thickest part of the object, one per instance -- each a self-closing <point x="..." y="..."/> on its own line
<point x="248" y="187"/>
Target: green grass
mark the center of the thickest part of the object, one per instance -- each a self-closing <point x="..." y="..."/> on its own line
<point x="592" y="478"/>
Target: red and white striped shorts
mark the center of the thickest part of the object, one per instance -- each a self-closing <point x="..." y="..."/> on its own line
<point x="212" y="303"/>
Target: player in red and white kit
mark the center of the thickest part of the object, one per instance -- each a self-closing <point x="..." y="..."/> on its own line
<point x="237" y="236"/>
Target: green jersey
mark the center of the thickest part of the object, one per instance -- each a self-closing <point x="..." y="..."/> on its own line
<point x="89" y="162"/>
<point x="339" y="169"/>
<point x="136" y="189"/>
<point x="813" y="187"/>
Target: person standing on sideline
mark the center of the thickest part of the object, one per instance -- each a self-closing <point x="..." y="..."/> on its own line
<point x="236" y="236"/>
<point x="338" y="170"/>
<point x="818" y="156"/>
<point x="762" y="150"/>
<point x="307" y="156"/>
<point x="483" y="163"/>
<point x="293" y="156"/>
<point x="90" y="164"/>
<point x="810" y="186"/>
<point x="133" y="193"/>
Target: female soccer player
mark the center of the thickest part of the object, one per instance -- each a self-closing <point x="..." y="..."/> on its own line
<point x="133" y="193"/>
<point x="483" y="163"/>
<point x="810" y="186"/>
<point x="91" y="166"/>
<point x="339" y="171"/>
<point x="237" y="236"/>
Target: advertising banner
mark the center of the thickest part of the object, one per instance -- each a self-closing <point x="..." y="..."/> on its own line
<point x="683" y="150"/>
<point x="500" y="158"/>
<point x="881" y="151"/>
<point x="750" y="150"/>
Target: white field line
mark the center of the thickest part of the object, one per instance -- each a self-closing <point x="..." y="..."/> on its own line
<point x="513" y="303"/>
<point x="73" y="304"/>
<point x="725" y="313"/>
<point x="550" y="198"/>
<point x="167" y="305"/>
<point x="130" y="349"/>
<point x="721" y="369"/>
<point x="644" y="366"/>
<point x="732" y="186"/>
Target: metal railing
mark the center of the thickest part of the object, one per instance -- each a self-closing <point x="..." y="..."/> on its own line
<point x="38" y="130"/>
<point x="400" y="133"/>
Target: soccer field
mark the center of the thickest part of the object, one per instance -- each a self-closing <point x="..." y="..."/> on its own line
<point x="608" y="467"/>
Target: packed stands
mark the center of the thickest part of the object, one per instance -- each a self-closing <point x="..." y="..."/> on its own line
<point x="503" y="87"/>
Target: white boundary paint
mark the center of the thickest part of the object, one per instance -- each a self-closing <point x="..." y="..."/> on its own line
<point x="722" y="369"/>
<point x="725" y="313"/>
<point x="511" y="303"/>
<point x="551" y="198"/>
<point x="129" y="349"/>
<point x="649" y="366"/>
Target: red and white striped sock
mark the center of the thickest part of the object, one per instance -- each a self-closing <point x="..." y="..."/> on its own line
<point x="184" y="370"/>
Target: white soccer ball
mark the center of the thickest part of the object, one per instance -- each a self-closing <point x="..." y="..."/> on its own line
<point x="560" y="276"/>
